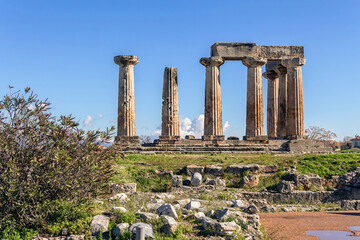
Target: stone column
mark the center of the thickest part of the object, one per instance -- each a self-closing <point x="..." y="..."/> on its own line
<point x="213" y="115"/>
<point x="272" y="103"/>
<point x="282" y="116"/>
<point x="254" y="102"/>
<point x="170" y="132"/>
<point x="126" y="101"/>
<point x="295" y="105"/>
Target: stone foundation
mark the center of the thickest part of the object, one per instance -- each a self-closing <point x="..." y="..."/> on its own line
<point x="225" y="146"/>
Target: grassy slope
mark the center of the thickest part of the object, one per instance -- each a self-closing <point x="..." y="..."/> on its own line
<point x="141" y="168"/>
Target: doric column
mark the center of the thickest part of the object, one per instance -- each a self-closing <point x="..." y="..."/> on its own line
<point x="126" y="100"/>
<point x="272" y="103"/>
<point x="254" y="102"/>
<point x="170" y="110"/>
<point x="281" y="129"/>
<point x="295" y="104"/>
<point x="213" y="115"/>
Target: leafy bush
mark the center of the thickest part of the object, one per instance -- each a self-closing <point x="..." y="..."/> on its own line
<point x="45" y="162"/>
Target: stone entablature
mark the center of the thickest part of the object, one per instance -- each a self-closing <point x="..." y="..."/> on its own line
<point x="239" y="51"/>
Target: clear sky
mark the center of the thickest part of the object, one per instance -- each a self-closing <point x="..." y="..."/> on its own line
<point x="64" y="51"/>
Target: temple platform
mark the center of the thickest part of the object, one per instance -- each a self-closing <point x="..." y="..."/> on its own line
<point x="230" y="146"/>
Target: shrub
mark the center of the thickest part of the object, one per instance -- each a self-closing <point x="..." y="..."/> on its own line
<point x="45" y="161"/>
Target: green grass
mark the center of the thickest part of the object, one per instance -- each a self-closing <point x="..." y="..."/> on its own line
<point x="141" y="168"/>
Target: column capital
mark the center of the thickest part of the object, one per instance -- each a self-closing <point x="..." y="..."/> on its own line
<point x="281" y="69"/>
<point x="254" y="61"/>
<point x="271" y="75"/>
<point x="212" y="61"/>
<point x="126" y="60"/>
<point x="293" y="62"/>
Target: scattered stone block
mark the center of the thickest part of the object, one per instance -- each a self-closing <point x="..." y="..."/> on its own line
<point x="165" y="196"/>
<point x="240" y="169"/>
<point x="268" y="168"/>
<point x="252" y="209"/>
<point x="238" y="203"/>
<point x="177" y="181"/>
<point x="148" y="229"/>
<point x="121" y="197"/>
<point x="215" y="182"/>
<point x="225" y="228"/>
<point x="222" y="214"/>
<point x="119" y="209"/>
<point x="250" y="181"/>
<point x="146" y="216"/>
<point x="213" y="170"/>
<point x="193" y="205"/>
<point x="120" y="229"/>
<point x="207" y="222"/>
<point x="170" y="225"/>
<point x="99" y="224"/>
<point x="167" y="209"/>
<point x="196" y="179"/>
<point x="199" y="215"/>
<point x="191" y="169"/>
<point x="125" y="187"/>
<point x="285" y="187"/>
<point x="183" y="202"/>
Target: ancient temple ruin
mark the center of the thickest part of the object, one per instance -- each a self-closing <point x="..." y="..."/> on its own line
<point x="285" y="110"/>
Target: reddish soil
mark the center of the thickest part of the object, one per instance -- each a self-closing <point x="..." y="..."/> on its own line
<point x="293" y="225"/>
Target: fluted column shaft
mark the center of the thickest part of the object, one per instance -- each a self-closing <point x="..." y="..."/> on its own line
<point x="213" y="115"/>
<point x="170" y="109"/>
<point x="282" y="116"/>
<point x="254" y="96"/>
<point x="295" y="103"/>
<point x="272" y="103"/>
<point x="126" y="100"/>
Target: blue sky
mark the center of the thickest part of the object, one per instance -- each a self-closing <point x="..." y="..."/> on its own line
<point x="64" y="51"/>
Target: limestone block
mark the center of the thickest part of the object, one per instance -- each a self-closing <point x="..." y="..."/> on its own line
<point x="193" y="205"/>
<point x="191" y="169"/>
<point x="148" y="229"/>
<point x="146" y="216"/>
<point x="214" y="170"/>
<point x="285" y="187"/>
<point x="170" y="225"/>
<point x="120" y="229"/>
<point x="196" y="179"/>
<point x="167" y="209"/>
<point x="177" y="181"/>
<point x="98" y="224"/>
<point x="225" y="228"/>
<point x="240" y="169"/>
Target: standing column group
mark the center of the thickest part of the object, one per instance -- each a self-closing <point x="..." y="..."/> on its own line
<point x="213" y="116"/>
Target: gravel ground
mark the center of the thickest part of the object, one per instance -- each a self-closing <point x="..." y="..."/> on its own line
<point x="293" y="225"/>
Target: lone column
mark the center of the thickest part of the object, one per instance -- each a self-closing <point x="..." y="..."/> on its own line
<point x="126" y="101"/>
<point x="272" y="103"/>
<point x="295" y="103"/>
<point x="254" y="102"/>
<point x="213" y="116"/>
<point x="282" y="116"/>
<point x="170" y="132"/>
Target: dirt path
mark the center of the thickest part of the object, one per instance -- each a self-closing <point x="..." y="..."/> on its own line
<point x="294" y="225"/>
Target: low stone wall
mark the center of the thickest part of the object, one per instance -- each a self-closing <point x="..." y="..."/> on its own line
<point x="304" y="197"/>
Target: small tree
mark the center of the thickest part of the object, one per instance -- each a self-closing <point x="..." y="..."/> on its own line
<point x="44" y="160"/>
<point x="320" y="134"/>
